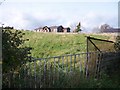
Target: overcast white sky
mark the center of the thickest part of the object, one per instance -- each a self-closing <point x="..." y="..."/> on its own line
<point x="31" y="14"/>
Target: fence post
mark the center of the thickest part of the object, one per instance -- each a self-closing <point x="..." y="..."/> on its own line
<point x="74" y="61"/>
<point x="97" y="65"/>
<point x="101" y="58"/>
<point x="45" y="72"/>
<point x="86" y="64"/>
<point x="70" y="63"/>
<point x="54" y="71"/>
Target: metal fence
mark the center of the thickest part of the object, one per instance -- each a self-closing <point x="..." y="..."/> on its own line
<point x="60" y="71"/>
<point x="57" y="71"/>
<point x="105" y="49"/>
<point x="47" y="72"/>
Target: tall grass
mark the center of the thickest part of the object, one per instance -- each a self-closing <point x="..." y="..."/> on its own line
<point x="59" y="79"/>
<point x="52" y="44"/>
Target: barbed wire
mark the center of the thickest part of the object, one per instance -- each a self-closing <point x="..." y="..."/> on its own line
<point x="2" y="2"/>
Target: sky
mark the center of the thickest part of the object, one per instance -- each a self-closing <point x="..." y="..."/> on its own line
<point x="31" y="14"/>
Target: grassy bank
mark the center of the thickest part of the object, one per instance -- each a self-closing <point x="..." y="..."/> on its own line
<point x="52" y="44"/>
<point x="42" y="73"/>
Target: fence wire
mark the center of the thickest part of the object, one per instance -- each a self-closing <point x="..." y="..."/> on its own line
<point x="100" y="45"/>
<point x="105" y="57"/>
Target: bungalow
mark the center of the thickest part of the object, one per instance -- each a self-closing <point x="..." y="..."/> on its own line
<point x="52" y="29"/>
<point x="43" y="29"/>
<point x="62" y="29"/>
<point x="66" y="29"/>
<point x="46" y="29"/>
<point x="39" y="29"/>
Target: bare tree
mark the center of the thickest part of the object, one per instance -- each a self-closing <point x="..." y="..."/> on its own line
<point x="104" y="27"/>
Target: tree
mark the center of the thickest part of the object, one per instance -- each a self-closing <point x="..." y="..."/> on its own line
<point x="13" y="53"/>
<point x="105" y="27"/>
<point x="117" y="48"/>
<point x="8" y="27"/>
<point x="117" y="43"/>
<point x="78" y="28"/>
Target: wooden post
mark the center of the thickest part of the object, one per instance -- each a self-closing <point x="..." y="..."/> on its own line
<point x="86" y="64"/>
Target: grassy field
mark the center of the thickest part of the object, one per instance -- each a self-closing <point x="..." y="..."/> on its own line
<point x="56" y="44"/>
<point x="44" y="72"/>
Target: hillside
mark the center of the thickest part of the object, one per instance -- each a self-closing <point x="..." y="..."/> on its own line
<point x="57" y="72"/>
<point x="55" y="44"/>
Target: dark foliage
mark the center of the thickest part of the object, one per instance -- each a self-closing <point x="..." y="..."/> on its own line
<point x="13" y="53"/>
<point x="117" y="48"/>
<point x="117" y="43"/>
<point x="78" y="28"/>
<point x="8" y="27"/>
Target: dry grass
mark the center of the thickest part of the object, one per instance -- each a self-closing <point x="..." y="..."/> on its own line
<point x="111" y="35"/>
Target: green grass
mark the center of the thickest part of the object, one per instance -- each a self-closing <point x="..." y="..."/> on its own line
<point x="52" y="44"/>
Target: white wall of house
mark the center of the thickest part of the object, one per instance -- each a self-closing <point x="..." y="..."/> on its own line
<point x="55" y="30"/>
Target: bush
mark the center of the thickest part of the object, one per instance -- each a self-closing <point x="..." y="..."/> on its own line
<point x="13" y="53"/>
